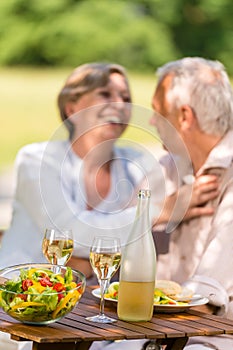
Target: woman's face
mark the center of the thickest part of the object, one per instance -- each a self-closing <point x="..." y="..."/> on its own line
<point x="105" y="111"/>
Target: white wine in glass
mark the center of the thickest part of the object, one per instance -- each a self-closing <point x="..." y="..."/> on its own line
<point x="58" y="246"/>
<point x="105" y="257"/>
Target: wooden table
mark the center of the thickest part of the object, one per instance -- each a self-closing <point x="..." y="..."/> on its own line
<point x="74" y="332"/>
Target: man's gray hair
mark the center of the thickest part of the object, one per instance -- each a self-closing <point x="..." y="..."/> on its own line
<point x="205" y="86"/>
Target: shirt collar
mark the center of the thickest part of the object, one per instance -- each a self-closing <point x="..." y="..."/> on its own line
<point x="221" y="155"/>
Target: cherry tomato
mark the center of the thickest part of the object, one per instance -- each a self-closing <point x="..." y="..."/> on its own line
<point x="23" y="296"/>
<point x="45" y="281"/>
<point x="60" y="296"/>
<point x="59" y="287"/>
<point x="26" y="284"/>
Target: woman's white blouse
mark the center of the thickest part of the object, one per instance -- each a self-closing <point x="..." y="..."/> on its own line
<point x="50" y="192"/>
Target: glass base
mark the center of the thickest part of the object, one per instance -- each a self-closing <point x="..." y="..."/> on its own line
<point x="101" y="319"/>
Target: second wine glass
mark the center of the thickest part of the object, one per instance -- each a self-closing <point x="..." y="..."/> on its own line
<point x="105" y="257"/>
<point x="58" y="246"/>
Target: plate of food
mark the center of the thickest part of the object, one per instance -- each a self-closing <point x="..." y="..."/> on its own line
<point x="169" y="296"/>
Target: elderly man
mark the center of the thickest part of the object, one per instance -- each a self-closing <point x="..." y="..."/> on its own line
<point x="193" y="105"/>
<point x="193" y="102"/>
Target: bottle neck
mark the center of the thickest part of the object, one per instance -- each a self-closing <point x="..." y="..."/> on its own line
<point x="143" y="204"/>
<point x="143" y="208"/>
<point x="142" y="221"/>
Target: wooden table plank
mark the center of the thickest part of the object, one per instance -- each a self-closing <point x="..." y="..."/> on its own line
<point x="192" y="322"/>
<point x="78" y="334"/>
<point x="148" y="332"/>
<point x="212" y="321"/>
<point x="224" y="322"/>
<point x="212" y="325"/>
<point x="99" y="330"/>
<point x="163" y="328"/>
<point x="178" y="330"/>
<point x="38" y="334"/>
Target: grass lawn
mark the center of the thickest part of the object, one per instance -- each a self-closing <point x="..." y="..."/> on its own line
<point x="29" y="112"/>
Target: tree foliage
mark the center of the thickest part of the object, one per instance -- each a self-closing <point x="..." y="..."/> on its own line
<point x="140" y="34"/>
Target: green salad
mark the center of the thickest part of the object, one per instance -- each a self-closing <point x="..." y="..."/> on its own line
<point x="160" y="298"/>
<point x="39" y="295"/>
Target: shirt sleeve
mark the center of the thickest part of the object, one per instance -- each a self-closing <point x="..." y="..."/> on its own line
<point x="213" y="277"/>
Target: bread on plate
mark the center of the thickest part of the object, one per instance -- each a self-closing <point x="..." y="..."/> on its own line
<point x="174" y="290"/>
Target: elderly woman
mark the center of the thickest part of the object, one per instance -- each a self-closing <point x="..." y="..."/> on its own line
<point x="73" y="183"/>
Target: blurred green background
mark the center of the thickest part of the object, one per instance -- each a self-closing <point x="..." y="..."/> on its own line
<point x="41" y="41"/>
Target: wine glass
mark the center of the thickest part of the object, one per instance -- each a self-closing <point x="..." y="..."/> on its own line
<point x="58" y="246"/>
<point x="105" y="257"/>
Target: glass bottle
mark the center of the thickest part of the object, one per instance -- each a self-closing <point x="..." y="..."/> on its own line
<point x="137" y="273"/>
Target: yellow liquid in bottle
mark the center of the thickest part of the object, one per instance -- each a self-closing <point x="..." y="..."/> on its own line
<point x="135" y="301"/>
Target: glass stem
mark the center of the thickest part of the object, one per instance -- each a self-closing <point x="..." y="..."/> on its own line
<point x="103" y="285"/>
<point x="54" y="259"/>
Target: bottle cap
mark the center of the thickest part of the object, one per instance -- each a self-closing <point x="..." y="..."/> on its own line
<point x="144" y="194"/>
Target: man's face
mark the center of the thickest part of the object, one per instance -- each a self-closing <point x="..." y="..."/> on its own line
<point x="165" y="118"/>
